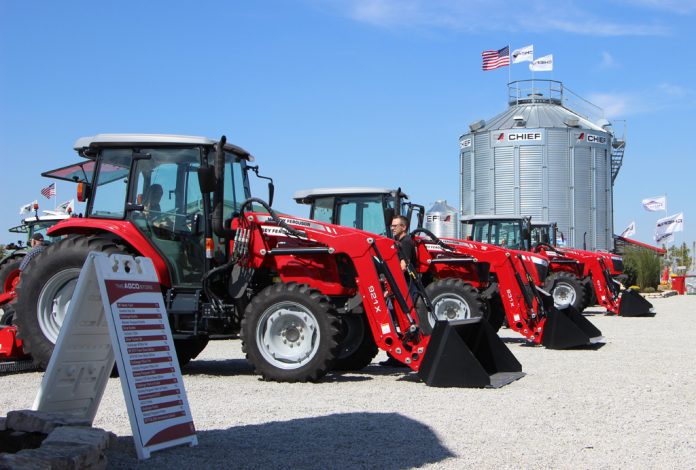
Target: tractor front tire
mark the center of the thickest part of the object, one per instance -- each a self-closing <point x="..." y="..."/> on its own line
<point x="356" y="347"/>
<point x="290" y="333"/>
<point x="45" y="289"/>
<point x="453" y="299"/>
<point x="9" y="274"/>
<point x="566" y="289"/>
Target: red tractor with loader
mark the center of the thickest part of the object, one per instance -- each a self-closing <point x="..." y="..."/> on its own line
<point x="298" y="292"/>
<point x="577" y="276"/>
<point x="462" y="279"/>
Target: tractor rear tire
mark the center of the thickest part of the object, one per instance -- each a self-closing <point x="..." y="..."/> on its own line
<point x="45" y="289"/>
<point x="495" y="313"/>
<point x="452" y="299"/>
<point x="566" y="289"/>
<point x="356" y="347"/>
<point x="590" y="297"/>
<point x="290" y="333"/>
<point x="7" y="316"/>
<point x="9" y="274"/>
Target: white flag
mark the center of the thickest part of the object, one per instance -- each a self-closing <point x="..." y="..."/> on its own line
<point x="669" y="225"/>
<point x="542" y="64"/>
<point x="523" y="54"/>
<point x="28" y="207"/>
<point x="68" y="207"/>
<point x="630" y="230"/>
<point x="654" y="204"/>
<point x="664" y="238"/>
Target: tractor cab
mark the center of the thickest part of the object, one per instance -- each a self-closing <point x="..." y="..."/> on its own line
<point x="506" y="231"/>
<point x="547" y="233"/>
<point x="38" y="224"/>
<point x="364" y="208"/>
<point x="148" y="186"/>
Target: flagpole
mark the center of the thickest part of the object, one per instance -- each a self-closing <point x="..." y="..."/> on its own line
<point x="509" y="65"/>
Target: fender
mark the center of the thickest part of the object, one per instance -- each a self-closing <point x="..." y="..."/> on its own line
<point x="120" y="228"/>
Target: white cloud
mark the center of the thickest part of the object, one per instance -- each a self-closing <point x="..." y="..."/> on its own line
<point x="614" y="105"/>
<point x="489" y="16"/>
<point x="608" y="60"/>
<point x="656" y="99"/>
<point x="673" y="90"/>
<point x="673" y="6"/>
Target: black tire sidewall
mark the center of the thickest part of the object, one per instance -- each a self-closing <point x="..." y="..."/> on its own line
<point x="69" y="253"/>
<point x="459" y="288"/>
<point x="327" y="322"/>
<point x="363" y="354"/>
<point x="572" y="281"/>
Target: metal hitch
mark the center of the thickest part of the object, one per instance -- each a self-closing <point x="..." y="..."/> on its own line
<point x="567" y="328"/>
<point x="468" y="353"/>
<point x="632" y="304"/>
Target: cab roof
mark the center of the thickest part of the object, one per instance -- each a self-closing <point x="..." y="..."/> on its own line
<point x="304" y="195"/>
<point x="126" y="140"/>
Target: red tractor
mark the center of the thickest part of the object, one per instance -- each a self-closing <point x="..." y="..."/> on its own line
<point x="462" y="279"/>
<point x="600" y="272"/>
<point x="576" y="275"/>
<point x="298" y="292"/>
<point x="9" y="265"/>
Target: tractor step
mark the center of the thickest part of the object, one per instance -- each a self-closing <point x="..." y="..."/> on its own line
<point x="24" y="365"/>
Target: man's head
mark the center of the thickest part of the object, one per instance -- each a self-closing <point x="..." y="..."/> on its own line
<point x="36" y="239"/>
<point x="399" y="227"/>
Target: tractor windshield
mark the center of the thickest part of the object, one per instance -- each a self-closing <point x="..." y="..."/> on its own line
<point x="506" y="233"/>
<point x="366" y="212"/>
<point x="157" y="189"/>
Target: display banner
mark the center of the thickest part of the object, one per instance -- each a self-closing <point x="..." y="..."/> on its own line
<point x="117" y="314"/>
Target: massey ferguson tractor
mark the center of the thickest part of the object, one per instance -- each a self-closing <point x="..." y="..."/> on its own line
<point x="461" y="279"/>
<point x="9" y="265"/>
<point x="296" y="291"/>
<point x="600" y="272"/>
<point x="576" y="275"/>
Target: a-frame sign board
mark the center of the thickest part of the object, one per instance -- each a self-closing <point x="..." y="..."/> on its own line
<point x="117" y="314"/>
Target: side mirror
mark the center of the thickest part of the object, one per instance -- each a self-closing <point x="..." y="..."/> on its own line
<point x="206" y="179"/>
<point x="83" y="191"/>
<point x="271" y="192"/>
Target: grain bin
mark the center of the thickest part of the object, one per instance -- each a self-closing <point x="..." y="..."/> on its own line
<point x="551" y="155"/>
<point x="442" y="220"/>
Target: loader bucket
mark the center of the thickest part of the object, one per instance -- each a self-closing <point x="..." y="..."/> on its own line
<point x="632" y="304"/>
<point x="567" y="328"/>
<point x="468" y="353"/>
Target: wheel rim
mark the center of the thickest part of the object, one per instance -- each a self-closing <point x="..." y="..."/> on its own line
<point x="563" y="294"/>
<point x="288" y="335"/>
<point x="11" y="281"/>
<point x="449" y="307"/>
<point x="54" y="301"/>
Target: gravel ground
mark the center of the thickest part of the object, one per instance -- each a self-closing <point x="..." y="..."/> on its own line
<point x="628" y="404"/>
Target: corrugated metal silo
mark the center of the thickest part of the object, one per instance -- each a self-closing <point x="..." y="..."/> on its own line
<point x="551" y="155"/>
<point x="442" y="220"/>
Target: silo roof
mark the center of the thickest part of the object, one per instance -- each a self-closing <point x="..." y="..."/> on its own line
<point x="538" y="115"/>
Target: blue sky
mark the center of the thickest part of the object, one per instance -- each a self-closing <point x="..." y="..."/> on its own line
<point x="340" y="93"/>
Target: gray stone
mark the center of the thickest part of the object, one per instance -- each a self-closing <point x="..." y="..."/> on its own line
<point x="15" y="461"/>
<point x="81" y="435"/>
<point x="65" y="457"/>
<point x="41" y="421"/>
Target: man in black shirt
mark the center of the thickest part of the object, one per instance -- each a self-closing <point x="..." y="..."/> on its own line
<point x="407" y="251"/>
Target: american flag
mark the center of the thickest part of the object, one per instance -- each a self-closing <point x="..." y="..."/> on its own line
<point x="495" y="59"/>
<point x="49" y="191"/>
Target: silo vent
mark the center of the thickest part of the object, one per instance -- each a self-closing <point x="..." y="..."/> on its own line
<point x="520" y="121"/>
<point x="474" y="126"/>
<point x="572" y="122"/>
